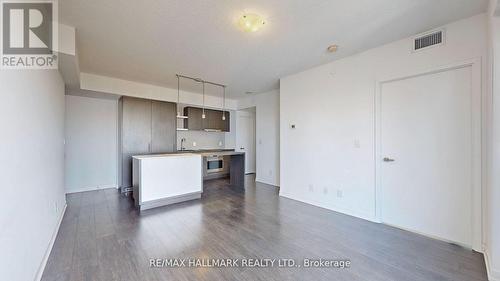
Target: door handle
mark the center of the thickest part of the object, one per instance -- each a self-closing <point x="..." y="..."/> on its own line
<point x="386" y="159"/>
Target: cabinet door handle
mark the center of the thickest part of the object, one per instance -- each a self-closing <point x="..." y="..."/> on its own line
<point x="242" y="148"/>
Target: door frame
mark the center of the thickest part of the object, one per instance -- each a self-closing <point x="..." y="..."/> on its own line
<point x="245" y="113"/>
<point x="476" y="116"/>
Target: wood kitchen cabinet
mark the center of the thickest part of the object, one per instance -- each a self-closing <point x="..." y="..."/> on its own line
<point x="163" y="127"/>
<point x="213" y="119"/>
<point x="216" y="122"/>
<point x="194" y="120"/>
<point x="145" y="127"/>
<point x="225" y="124"/>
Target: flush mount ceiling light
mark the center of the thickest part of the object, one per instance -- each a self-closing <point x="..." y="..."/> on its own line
<point x="332" y="48"/>
<point x="251" y="22"/>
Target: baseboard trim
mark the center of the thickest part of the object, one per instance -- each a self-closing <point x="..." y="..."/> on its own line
<point x="93" y="188"/>
<point x="169" y="201"/>
<point x="265" y="182"/>
<point x="493" y="275"/>
<point x="336" y="209"/>
<point x="51" y="245"/>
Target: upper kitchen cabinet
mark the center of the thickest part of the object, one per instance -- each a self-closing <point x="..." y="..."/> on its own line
<point x="213" y="120"/>
<point x="226" y="127"/>
<point x="194" y="120"/>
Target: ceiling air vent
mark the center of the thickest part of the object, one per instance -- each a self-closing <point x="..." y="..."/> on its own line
<point x="427" y="40"/>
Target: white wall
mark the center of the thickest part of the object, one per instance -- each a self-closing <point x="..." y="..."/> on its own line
<point x="99" y="83"/>
<point x="332" y="107"/>
<point x="267" y="135"/>
<point x="91" y="143"/>
<point x="32" y="149"/>
<point x="492" y="221"/>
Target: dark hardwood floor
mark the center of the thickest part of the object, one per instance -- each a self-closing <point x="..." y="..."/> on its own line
<point x="102" y="237"/>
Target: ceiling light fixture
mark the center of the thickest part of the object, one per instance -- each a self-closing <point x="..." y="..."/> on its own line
<point x="332" y="48"/>
<point x="251" y="22"/>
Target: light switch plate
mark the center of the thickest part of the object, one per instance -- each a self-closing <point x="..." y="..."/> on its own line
<point x="340" y="193"/>
<point x="357" y="144"/>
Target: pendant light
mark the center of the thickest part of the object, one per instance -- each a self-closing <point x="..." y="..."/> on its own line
<point x="203" y="116"/>
<point x="223" y="103"/>
<point x="178" y="94"/>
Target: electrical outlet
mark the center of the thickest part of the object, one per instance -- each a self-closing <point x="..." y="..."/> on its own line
<point x="311" y="188"/>
<point x="220" y="143"/>
<point x="194" y="144"/>
<point x="340" y="193"/>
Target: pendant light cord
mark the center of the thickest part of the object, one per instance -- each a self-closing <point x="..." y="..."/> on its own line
<point x="178" y="94"/>
<point x="203" y="83"/>
<point x="223" y="103"/>
<point x="199" y="80"/>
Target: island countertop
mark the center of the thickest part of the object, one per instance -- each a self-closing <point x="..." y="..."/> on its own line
<point x="168" y="178"/>
<point x="203" y="153"/>
<point x="164" y="179"/>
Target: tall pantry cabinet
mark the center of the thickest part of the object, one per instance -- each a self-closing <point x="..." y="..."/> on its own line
<point x="145" y="127"/>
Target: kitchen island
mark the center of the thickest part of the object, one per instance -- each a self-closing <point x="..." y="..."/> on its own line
<point x="165" y="179"/>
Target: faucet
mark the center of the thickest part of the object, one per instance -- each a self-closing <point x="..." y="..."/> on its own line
<point x="182" y="144"/>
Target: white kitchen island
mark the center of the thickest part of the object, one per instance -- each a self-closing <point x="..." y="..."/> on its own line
<point x="165" y="179"/>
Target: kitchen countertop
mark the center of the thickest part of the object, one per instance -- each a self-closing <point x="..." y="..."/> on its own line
<point x="219" y="153"/>
<point x="163" y="155"/>
<point x="202" y="152"/>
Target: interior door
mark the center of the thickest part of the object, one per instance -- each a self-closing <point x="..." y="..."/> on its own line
<point x="426" y="151"/>
<point x="245" y="138"/>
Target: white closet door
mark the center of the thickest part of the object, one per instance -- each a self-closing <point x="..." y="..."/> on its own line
<point x="426" y="129"/>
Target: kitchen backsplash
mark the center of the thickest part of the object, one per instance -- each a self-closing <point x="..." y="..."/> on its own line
<point x="201" y="139"/>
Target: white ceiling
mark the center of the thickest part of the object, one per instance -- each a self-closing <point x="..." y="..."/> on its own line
<point x="150" y="41"/>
